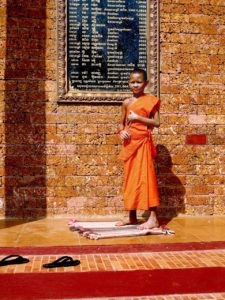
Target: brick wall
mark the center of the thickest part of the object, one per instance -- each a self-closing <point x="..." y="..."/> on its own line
<point x="192" y="90"/>
<point x="24" y="101"/>
<point x="63" y="159"/>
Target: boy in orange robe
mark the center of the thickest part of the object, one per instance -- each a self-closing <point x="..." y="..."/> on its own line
<point x="140" y="114"/>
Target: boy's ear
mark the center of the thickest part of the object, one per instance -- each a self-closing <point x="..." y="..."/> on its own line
<point x="146" y="82"/>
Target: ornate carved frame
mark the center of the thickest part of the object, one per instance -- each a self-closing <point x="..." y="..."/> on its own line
<point x="69" y="96"/>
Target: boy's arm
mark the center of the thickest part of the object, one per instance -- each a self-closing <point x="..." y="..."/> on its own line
<point x="123" y="118"/>
<point x="123" y="133"/>
<point x="155" y="121"/>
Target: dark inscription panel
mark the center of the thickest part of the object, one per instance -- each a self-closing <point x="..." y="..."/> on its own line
<point x="106" y="40"/>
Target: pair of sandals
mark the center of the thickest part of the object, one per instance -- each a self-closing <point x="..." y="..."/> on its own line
<point x="64" y="261"/>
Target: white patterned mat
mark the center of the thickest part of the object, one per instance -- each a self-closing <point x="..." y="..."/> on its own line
<point x="102" y="230"/>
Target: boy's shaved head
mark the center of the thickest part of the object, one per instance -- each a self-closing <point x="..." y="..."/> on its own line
<point x="140" y="71"/>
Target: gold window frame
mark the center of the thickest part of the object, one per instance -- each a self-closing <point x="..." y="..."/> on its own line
<point x="66" y="95"/>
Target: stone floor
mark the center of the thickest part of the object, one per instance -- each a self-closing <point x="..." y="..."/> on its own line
<point x="55" y="232"/>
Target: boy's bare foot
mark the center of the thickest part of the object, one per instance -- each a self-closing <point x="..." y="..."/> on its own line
<point x="124" y="223"/>
<point x="131" y="220"/>
<point x="152" y="220"/>
<point x="148" y="225"/>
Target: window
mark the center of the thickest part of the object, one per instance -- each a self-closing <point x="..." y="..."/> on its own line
<point x="100" y="42"/>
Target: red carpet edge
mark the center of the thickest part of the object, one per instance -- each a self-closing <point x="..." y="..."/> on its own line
<point x="110" y="283"/>
<point x="123" y="248"/>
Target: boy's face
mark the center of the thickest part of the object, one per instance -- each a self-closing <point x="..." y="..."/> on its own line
<point x="137" y="83"/>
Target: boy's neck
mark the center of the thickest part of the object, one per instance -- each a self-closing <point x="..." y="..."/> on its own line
<point x="138" y="95"/>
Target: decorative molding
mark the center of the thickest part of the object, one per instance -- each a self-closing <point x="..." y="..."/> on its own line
<point x="154" y="47"/>
<point x="65" y="95"/>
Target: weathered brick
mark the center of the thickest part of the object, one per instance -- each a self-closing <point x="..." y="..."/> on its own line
<point x="200" y="190"/>
<point x="74" y="180"/>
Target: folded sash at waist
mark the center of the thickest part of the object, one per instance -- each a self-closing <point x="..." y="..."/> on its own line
<point x="130" y="146"/>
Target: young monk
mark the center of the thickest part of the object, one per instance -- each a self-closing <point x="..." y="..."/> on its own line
<point x="140" y="114"/>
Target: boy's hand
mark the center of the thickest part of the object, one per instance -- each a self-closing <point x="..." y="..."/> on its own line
<point x="132" y="117"/>
<point x="124" y="135"/>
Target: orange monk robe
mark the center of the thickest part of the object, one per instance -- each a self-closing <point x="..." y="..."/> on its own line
<point x="140" y="184"/>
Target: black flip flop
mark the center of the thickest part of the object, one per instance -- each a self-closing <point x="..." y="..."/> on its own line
<point x="64" y="261"/>
<point x="16" y="260"/>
